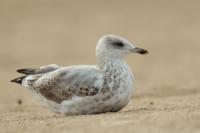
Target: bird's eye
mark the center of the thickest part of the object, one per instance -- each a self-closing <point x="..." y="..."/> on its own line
<point x="118" y="44"/>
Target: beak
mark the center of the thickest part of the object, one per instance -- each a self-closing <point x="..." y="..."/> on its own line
<point x="139" y="50"/>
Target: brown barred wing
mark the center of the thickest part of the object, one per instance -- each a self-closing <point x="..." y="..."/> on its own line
<point x="65" y="83"/>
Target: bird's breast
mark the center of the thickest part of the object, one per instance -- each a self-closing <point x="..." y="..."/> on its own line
<point x="118" y="82"/>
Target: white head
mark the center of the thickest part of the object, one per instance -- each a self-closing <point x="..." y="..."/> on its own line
<point x="116" y="46"/>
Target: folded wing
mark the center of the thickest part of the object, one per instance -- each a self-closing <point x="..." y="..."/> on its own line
<point x="64" y="83"/>
<point x="43" y="69"/>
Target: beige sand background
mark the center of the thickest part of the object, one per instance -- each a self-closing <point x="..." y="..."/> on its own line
<point x="166" y="93"/>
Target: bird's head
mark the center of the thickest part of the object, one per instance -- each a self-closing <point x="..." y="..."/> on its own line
<point x="116" y="46"/>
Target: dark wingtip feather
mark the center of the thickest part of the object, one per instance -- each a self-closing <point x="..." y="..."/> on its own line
<point x="20" y="70"/>
<point x="26" y="71"/>
<point x="18" y="80"/>
<point x="23" y="71"/>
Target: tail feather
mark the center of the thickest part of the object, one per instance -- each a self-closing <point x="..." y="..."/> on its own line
<point x="18" y="80"/>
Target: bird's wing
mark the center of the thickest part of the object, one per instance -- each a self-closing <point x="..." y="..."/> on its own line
<point x="43" y="69"/>
<point x="64" y="83"/>
<point x="35" y="71"/>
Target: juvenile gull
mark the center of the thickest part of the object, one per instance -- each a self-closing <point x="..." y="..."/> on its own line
<point x="86" y="89"/>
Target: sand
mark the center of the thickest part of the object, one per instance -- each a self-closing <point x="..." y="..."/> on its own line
<point x="166" y="95"/>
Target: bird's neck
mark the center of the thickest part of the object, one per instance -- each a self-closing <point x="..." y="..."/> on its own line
<point x="110" y="62"/>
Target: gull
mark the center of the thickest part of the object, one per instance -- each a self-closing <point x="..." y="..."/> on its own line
<point x="86" y="89"/>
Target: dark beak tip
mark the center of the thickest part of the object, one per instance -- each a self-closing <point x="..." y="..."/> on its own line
<point x="143" y="51"/>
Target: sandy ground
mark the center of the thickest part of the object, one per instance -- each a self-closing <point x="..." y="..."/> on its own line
<point x="166" y="92"/>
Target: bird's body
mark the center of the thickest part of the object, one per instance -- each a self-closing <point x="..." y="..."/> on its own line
<point x="85" y="89"/>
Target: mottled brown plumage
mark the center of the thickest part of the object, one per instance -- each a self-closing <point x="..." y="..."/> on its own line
<point x="86" y="89"/>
